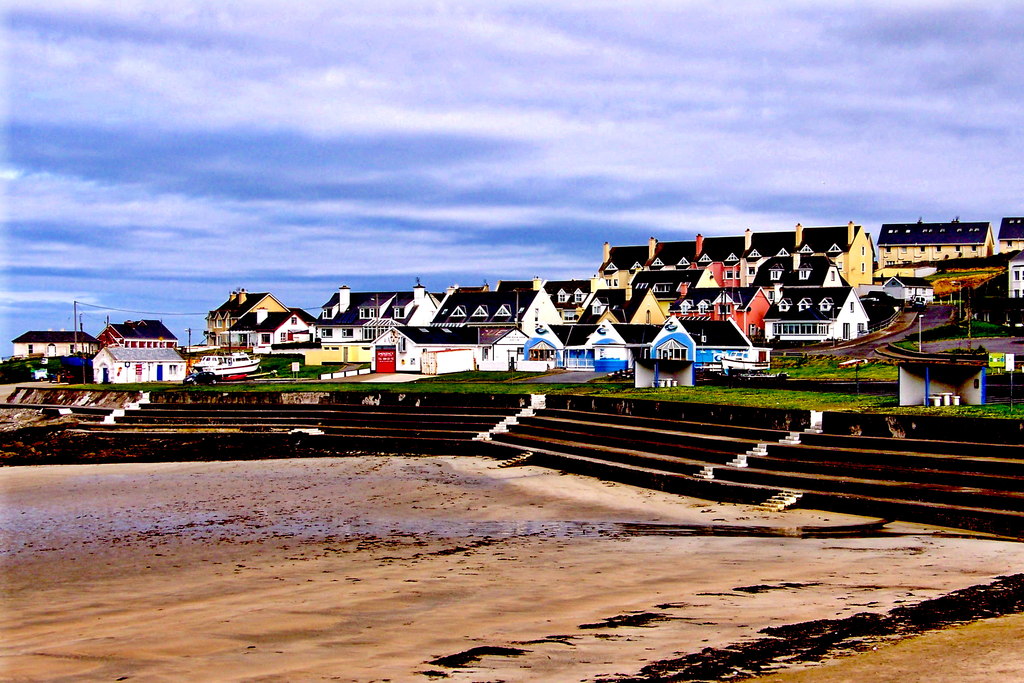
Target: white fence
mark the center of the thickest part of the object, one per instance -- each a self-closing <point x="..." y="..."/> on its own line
<point x="346" y="373"/>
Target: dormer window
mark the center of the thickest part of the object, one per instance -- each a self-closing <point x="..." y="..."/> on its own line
<point x="662" y="288"/>
<point x="657" y="263"/>
<point x="367" y="312"/>
<point x="782" y="252"/>
<point x="804" y="304"/>
<point x="577" y="297"/>
<point x="480" y="312"/>
<point x="754" y="253"/>
<point x="805" y="273"/>
<point x="704" y="259"/>
<point x="503" y="311"/>
<point x="636" y="266"/>
<point x="683" y="263"/>
<point x="611" y="268"/>
<point x="563" y="296"/>
<point x="731" y="257"/>
<point x="806" y="249"/>
<point x="398" y="312"/>
<point x="834" y="249"/>
<point x="686" y="306"/>
<point x="459" y="312"/>
<point x="785" y="305"/>
<point x="702" y="306"/>
<point x="775" y="274"/>
<point x="598" y="308"/>
<point x="826" y="304"/>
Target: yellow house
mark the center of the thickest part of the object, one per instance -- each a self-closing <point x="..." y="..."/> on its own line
<point x="240" y="302"/>
<point x="902" y="243"/>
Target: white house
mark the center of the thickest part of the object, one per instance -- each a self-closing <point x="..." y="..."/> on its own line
<point x="54" y="343"/>
<point x="910" y="290"/>
<point x="1016" y="274"/>
<point x="816" y="315"/>
<point x="406" y="348"/>
<point x="261" y="328"/>
<point x="117" y="365"/>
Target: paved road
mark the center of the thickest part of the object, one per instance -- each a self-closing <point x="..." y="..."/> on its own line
<point x="933" y="316"/>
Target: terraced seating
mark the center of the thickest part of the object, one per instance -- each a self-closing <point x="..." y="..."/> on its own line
<point x="957" y="484"/>
<point x="335" y="426"/>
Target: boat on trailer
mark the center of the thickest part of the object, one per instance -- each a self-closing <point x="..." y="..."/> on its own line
<point x="229" y="365"/>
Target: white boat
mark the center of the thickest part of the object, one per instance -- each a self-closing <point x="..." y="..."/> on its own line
<point x="238" y="363"/>
<point x="733" y="365"/>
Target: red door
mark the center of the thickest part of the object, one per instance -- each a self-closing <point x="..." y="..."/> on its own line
<point x="385" y="359"/>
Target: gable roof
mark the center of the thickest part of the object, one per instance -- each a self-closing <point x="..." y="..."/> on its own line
<point x="453" y="335"/>
<point x="624" y="258"/>
<point x="55" y="337"/>
<point x="273" y="320"/>
<point x="721" y="248"/>
<point x="142" y="330"/>
<point x="506" y="308"/>
<point x="638" y="334"/>
<point x="821" y="240"/>
<point x="235" y="307"/>
<point x="121" y="353"/>
<point x="815" y="267"/>
<point x="769" y="244"/>
<point x="671" y="253"/>
<point x="1012" y="228"/>
<point x="954" y="233"/>
<point x="649" y="279"/>
<point x="837" y="295"/>
<point x="717" y="333"/>
<point x="572" y="335"/>
<point x="613" y="300"/>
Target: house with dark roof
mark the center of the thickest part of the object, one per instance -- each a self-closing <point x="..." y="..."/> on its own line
<point x="722" y="256"/>
<point x="622" y="306"/>
<point x="619" y="263"/>
<point x="261" y="329"/>
<point x="813" y="314"/>
<point x="496" y="309"/>
<point x="745" y="306"/>
<point x="1011" y="234"/>
<point x="668" y="285"/>
<point x="436" y="349"/>
<point x="900" y="243"/>
<point x="54" y="343"/>
<point x="138" y="334"/>
<point x="676" y="255"/>
<point x="569" y="297"/>
<point x="909" y="290"/>
<point x="350" y="322"/>
<point x="239" y="302"/>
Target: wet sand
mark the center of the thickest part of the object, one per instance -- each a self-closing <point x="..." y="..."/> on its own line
<point x="369" y="569"/>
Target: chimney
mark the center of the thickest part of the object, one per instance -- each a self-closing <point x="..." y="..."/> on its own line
<point x="747" y="239"/>
<point x="536" y="283"/>
<point x="261" y="315"/>
<point x="851" y="230"/>
<point x="233" y="297"/>
<point x="607" y="252"/>
<point x="700" y="247"/>
<point x="799" y="236"/>
<point x="344" y="298"/>
<point x="419" y="291"/>
<point x="451" y="289"/>
<point x="241" y="296"/>
<point x="651" y="244"/>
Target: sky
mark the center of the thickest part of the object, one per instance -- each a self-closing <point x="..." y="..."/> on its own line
<point x="159" y="155"/>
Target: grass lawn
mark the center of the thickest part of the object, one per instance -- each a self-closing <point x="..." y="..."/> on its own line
<point x="825" y="367"/>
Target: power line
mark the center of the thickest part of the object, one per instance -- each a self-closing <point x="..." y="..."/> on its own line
<point x="128" y="310"/>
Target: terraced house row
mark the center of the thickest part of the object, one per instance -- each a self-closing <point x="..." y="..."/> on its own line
<point x="808" y="284"/>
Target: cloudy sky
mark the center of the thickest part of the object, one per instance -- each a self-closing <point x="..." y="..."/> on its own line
<point x="158" y="158"/>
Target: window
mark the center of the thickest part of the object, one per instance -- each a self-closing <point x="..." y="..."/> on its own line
<point x="503" y="312"/>
<point x="577" y="298"/>
<point x="657" y="263"/>
<point x="805" y="273"/>
<point x="282" y="336"/>
<point x="480" y="312"/>
<point x="347" y="333"/>
<point x="265" y="338"/>
<point x="775" y="274"/>
<point x="326" y="333"/>
<point x="751" y="271"/>
<point x="367" y="312"/>
<point x="562" y="296"/>
<point x="784" y="305"/>
<point x="569" y="316"/>
<point x="686" y="306"/>
<point x="662" y="288"/>
<point x="804" y="304"/>
<point x="597" y="308"/>
<point x="542" y="352"/>
<point x="398" y="312"/>
<point x="672" y="350"/>
<point x="723" y="309"/>
<point x="31" y="348"/>
<point x="702" y="307"/>
<point x="459" y="312"/>
<point x="295" y="320"/>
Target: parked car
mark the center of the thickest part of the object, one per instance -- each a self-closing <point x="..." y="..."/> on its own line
<point x="200" y="377"/>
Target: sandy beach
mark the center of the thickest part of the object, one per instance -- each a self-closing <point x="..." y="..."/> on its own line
<point x="375" y="568"/>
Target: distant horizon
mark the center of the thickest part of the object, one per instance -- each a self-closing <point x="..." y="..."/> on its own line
<point x="159" y="158"/>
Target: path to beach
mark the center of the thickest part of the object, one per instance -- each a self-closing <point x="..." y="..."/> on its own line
<point x="370" y="568"/>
